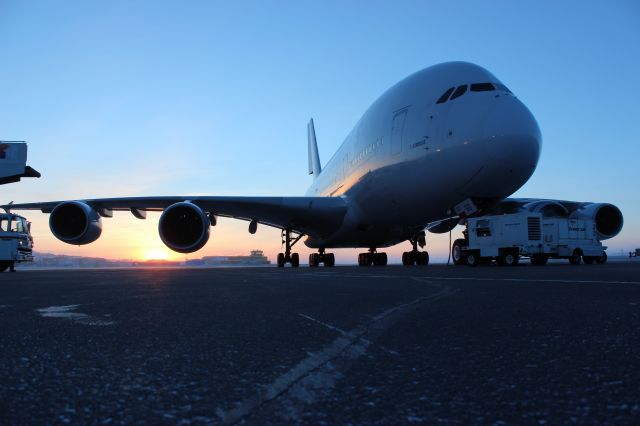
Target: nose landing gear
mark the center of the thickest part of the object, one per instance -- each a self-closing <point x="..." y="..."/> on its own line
<point x="287" y="256"/>
<point x="372" y="258"/>
<point x="416" y="257"/>
<point x="328" y="259"/>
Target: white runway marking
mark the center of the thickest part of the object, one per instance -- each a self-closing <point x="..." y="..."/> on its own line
<point x="531" y="280"/>
<point x="67" y="312"/>
<point x="315" y="375"/>
<point x="329" y="326"/>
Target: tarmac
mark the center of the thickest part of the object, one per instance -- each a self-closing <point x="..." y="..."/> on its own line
<point x="381" y="345"/>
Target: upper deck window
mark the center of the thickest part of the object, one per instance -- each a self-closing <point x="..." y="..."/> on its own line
<point x="482" y="87"/>
<point x="442" y="99"/>
<point x="459" y="92"/>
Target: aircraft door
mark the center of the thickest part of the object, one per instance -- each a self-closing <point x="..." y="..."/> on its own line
<point x="397" y="131"/>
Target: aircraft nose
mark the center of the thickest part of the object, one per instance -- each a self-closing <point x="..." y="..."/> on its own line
<point x="512" y="135"/>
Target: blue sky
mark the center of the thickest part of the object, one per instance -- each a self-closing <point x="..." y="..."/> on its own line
<point x="167" y="98"/>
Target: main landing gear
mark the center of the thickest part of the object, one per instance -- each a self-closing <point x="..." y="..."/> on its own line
<point x="287" y="257"/>
<point x="328" y="259"/>
<point x="416" y="257"/>
<point x="372" y="258"/>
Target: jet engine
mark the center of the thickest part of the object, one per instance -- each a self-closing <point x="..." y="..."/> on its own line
<point x="184" y="227"/>
<point x="75" y="222"/>
<point x="606" y="217"/>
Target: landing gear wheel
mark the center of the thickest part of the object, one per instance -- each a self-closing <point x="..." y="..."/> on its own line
<point x="407" y="258"/>
<point x="588" y="260"/>
<point x="539" y="259"/>
<point x="280" y="260"/>
<point x="602" y="259"/>
<point x="295" y="260"/>
<point x="422" y="258"/>
<point x="380" y="259"/>
<point x="314" y="260"/>
<point x="329" y="260"/>
<point x="575" y="258"/>
<point x="473" y="259"/>
<point x="456" y="251"/>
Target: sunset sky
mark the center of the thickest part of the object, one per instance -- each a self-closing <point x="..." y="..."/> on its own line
<point x="139" y="98"/>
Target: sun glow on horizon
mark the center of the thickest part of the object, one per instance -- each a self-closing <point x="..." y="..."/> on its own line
<point x="156" y="254"/>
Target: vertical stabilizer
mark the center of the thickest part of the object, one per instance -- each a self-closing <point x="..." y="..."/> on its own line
<point x="314" y="158"/>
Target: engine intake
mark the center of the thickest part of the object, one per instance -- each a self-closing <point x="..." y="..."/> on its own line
<point x="607" y="218"/>
<point x="184" y="227"/>
<point x="75" y="222"/>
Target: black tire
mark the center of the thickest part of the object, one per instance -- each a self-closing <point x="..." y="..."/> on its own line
<point x="380" y="259"/>
<point x="456" y="252"/>
<point x="407" y="258"/>
<point x="589" y="260"/>
<point x="473" y="259"/>
<point x="4" y="266"/>
<point x="510" y="259"/>
<point x="314" y="260"/>
<point x="329" y="260"/>
<point x="602" y="259"/>
<point x="280" y="260"/>
<point x="422" y="258"/>
<point x="575" y="258"/>
<point x="295" y="260"/>
<point x="539" y="259"/>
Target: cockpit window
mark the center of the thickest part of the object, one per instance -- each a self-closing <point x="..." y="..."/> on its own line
<point x="459" y="92"/>
<point x="482" y="87"/>
<point x="442" y="99"/>
<point x="503" y="88"/>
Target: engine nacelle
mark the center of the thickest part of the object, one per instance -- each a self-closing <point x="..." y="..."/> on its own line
<point x="75" y="222"/>
<point x="606" y="217"/>
<point x="184" y="227"/>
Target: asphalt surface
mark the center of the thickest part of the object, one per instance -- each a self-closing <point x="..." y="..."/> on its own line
<point x="383" y="345"/>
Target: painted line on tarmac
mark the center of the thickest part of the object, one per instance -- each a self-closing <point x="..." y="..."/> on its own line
<point x="315" y="376"/>
<point x="68" y="312"/>
<point x="531" y="280"/>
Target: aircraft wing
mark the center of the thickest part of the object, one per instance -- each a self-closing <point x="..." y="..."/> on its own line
<point x="313" y="216"/>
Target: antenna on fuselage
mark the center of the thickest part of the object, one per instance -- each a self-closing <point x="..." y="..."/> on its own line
<point x="314" y="158"/>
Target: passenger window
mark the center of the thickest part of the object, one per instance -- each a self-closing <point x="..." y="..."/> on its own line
<point x="503" y="88"/>
<point x="482" y="87"/>
<point x="4" y="223"/>
<point x="442" y="99"/>
<point x="483" y="228"/>
<point x="459" y="92"/>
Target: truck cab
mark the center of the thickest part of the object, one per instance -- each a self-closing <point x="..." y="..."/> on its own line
<point x="16" y="242"/>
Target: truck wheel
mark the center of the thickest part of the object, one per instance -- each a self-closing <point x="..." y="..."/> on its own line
<point x="602" y="259"/>
<point x="473" y="259"/>
<point x="539" y="259"/>
<point x="575" y="258"/>
<point x="456" y="251"/>
<point x="510" y="259"/>
<point x="588" y="260"/>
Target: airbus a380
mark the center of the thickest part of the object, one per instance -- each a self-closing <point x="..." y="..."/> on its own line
<point x="445" y="143"/>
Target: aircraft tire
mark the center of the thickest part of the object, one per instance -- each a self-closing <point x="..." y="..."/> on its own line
<point x="295" y="260"/>
<point x="407" y="258"/>
<point x="422" y="258"/>
<point x="329" y="260"/>
<point x="280" y="260"/>
<point x="380" y="259"/>
<point x="313" y="260"/>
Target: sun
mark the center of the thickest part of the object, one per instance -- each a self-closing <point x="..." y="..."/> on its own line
<point x="156" y="254"/>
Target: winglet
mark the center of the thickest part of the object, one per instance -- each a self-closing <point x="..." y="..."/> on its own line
<point x="314" y="158"/>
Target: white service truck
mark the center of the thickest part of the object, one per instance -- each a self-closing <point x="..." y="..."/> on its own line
<point x="508" y="237"/>
<point x="16" y="243"/>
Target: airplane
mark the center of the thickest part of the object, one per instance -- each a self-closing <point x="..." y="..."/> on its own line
<point x="445" y="143"/>
<point x="13" y="162"/>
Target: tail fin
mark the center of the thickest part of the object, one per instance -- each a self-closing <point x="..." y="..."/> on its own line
<point x="314" y="158"/>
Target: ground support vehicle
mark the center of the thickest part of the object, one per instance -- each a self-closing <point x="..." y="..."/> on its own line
<point x="16" y="243"/>
<point x="507" y="238"/>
